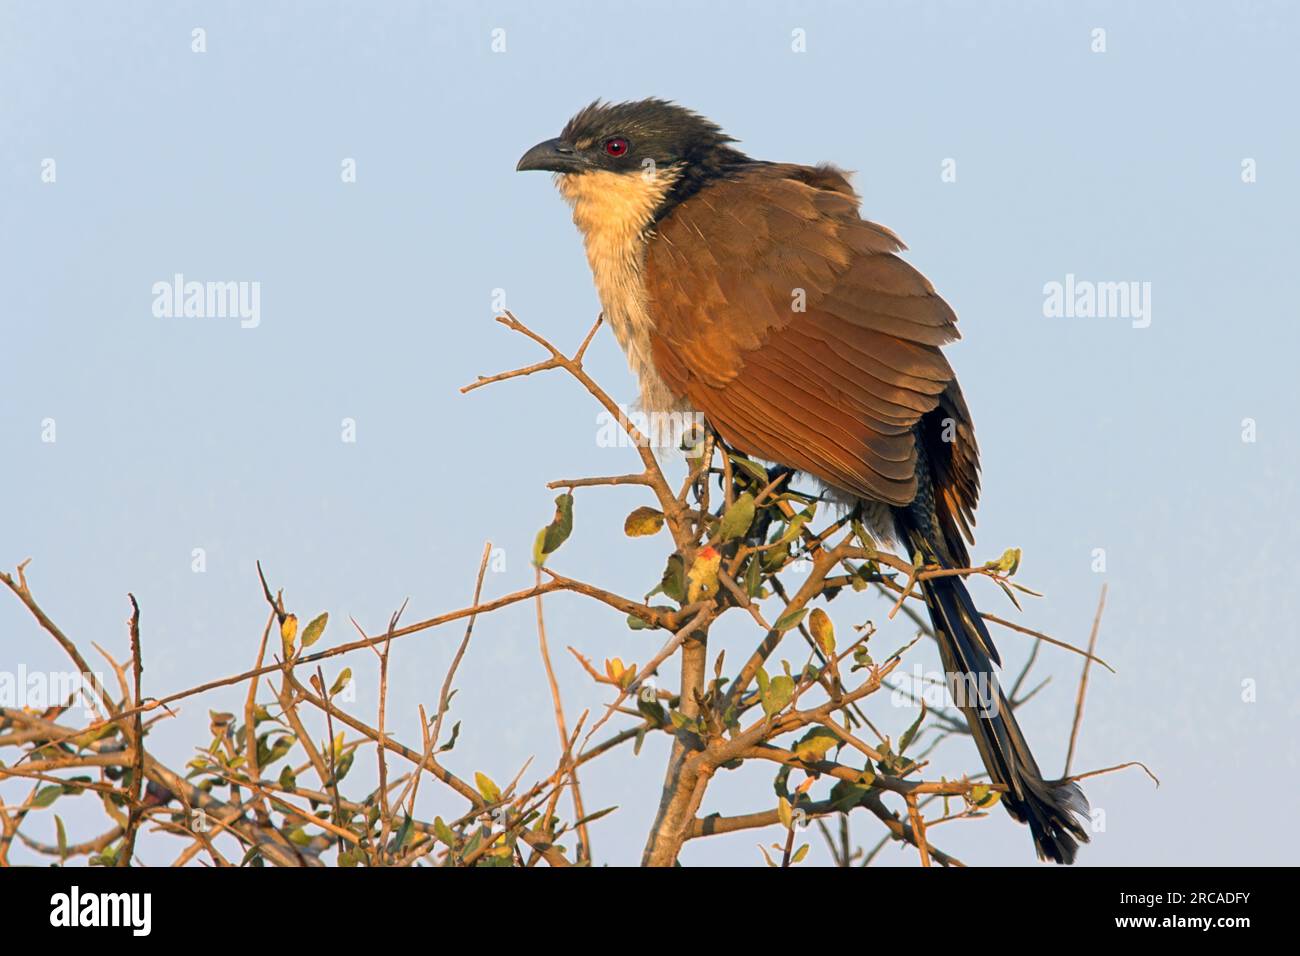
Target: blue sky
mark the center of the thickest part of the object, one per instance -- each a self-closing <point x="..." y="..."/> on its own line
<point x="376" y="303"/>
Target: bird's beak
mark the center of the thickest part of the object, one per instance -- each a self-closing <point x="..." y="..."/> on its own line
<point x="554" y="155"/>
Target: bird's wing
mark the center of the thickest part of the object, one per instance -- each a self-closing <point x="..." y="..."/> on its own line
<point x="791" y="323"/>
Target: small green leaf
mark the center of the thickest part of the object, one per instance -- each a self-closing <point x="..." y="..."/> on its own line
<point x="673" y="582"/>
<point x="556" y="533"/>
<point x="779" y="691"/>
<point x="1009" y="563"/>
<point x="451" y="742"/>
<point x="651" y="709"/>
<point x="403" y="832"/>
<point x="443" y="832"/>
<point x="47" y="795"/>
<point x="910" y="734"/>
<point x="342" y="681"/>
<point x="594" y="816"/>
<point x="788" y="620"/>
<point x="816" y="744"/>
<point x="750" y="468"/>
<point x="737" y="519"/>
<point x="846" y="795"/>
<point x="315" y="629"/>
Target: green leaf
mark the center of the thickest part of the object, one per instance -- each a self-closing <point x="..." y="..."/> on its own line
<point x="443" y="832"/>
<point x="799" y="854"/>
<point x="682" y="722"/>
<point x="910" y="734"/>
<point x="342" y="767"/>
<point x="594" y="816"/>
<point x="750" y="468"/>
<point x="342" y="681"/>
<point x="815" y="745"/>
<point x="846" y="795"/>
<point x="789" y="619"/>
<point x="61" y="836"/>
<point x="643" y="522"/>
<point x="315" y="629"/>
<point x="47" y="795"/>
<point x="673" y="582"/>
<point x="1009" y="563"/>
<point x="779" y="691"/>
<point x="556" y="533"/>
<point x="403" y="832"/>
<point x="455" y="732"/>
<point x="651" y="709"/>
<point x="737" y="519"/>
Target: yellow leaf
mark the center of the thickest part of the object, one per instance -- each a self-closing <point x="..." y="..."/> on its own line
<point x="642" y="522"/>
<point x="490" y="791"/>
<point x="288" y="631"/>
<point x="823" y="631"/>
<point x="702" y="578"/>
<point x="785" y="813"/>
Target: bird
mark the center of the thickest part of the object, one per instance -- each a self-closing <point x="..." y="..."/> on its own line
<point x="753" y="293"/>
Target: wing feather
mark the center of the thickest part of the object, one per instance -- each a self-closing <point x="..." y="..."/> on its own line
<point x="795" y="327"/>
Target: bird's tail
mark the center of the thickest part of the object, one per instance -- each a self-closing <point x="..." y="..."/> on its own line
<point x="1049" y="807"/>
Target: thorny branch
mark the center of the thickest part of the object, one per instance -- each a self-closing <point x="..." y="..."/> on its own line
<point x="757" y="552"/>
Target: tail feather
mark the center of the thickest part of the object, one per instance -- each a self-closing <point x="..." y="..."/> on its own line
<point x="1049" y="807"/>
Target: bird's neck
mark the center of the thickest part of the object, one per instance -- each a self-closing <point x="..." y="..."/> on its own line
<point x="615" y="213"/>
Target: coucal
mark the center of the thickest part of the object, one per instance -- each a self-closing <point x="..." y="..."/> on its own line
<point x="753" y="292"/>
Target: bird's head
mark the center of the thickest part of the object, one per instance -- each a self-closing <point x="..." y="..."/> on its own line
<point x="643" y="136"/>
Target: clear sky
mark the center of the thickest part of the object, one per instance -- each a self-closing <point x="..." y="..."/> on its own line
<point x="376" y="299"/>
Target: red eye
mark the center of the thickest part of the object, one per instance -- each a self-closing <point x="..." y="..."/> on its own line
<point x="616" y="146"/>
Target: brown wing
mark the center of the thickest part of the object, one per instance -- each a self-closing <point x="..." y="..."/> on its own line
<point x="791" y="323"/>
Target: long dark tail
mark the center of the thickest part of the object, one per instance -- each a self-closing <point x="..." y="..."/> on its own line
<point x="1048" y="806"/>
